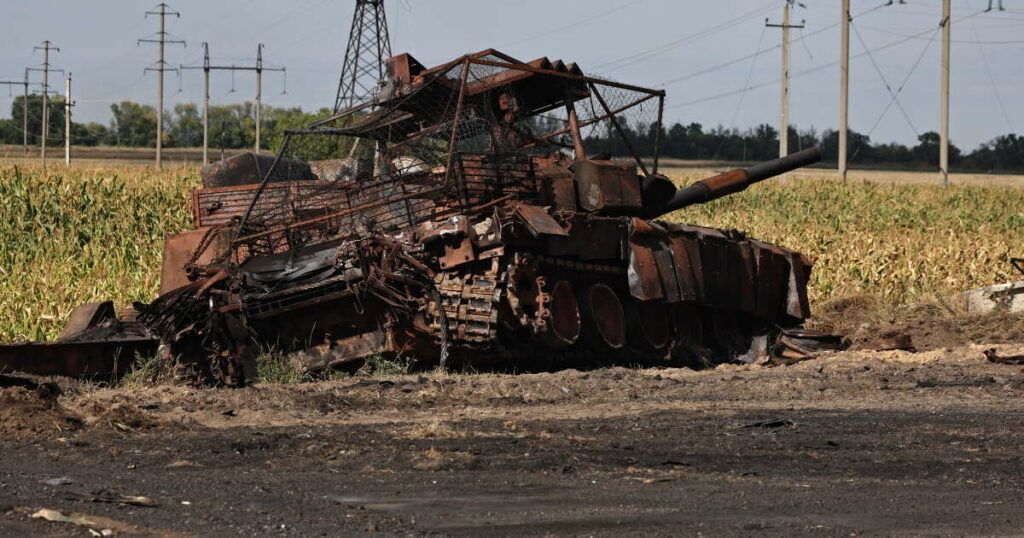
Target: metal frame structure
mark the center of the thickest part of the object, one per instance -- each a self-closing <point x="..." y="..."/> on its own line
<point x="369" y="45"/>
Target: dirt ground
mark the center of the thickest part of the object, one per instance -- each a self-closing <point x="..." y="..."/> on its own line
<point x="850" y="443"/>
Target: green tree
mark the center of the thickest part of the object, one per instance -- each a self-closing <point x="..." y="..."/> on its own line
<point x="134" y="125"/>
<point x="35" y="115"/>
<point x="186" y="126"/>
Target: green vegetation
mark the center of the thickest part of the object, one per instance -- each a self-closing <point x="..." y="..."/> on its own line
<point x="70" y="237"/>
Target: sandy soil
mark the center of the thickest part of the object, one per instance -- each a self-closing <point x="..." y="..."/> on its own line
<point x="848" y="443"/>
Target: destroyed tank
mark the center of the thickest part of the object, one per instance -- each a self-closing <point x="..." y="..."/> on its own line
<point x="486" y="210"/>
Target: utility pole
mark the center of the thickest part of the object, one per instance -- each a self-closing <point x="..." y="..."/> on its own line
<point x="24" y="115"/>
<point x="944" y="105"/>
<point x="844" y="87"/>
<point x="24" y="107"/>
<point x="369" y="45"/>
<point x="206" y="99"/>
<point x="784" y="112"/>
<point x="161" y="66"/>
<point x="259" y="93"/>
<point x="46" y="48"/>
<point x="259" y="68"/>
<point x="67" y="120"/>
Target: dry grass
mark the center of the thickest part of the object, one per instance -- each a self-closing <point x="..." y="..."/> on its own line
<point x="92" y="233"/>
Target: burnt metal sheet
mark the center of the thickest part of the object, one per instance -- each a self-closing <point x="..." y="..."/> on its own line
<point x="179" y="250"/>
<point x="797" y="305"/>
<point x="592" y="238"/>
<point x="686" y="256"/>
<point x="342" y="351"/>
<point x="605" y="185"/>
<point x="85" y="316"/>
<point x="746" y="277"/>
<point x="539" y="221"/>
<point x="668" y="272"/>
<point x="458" y="254"/>
<point x="642" y="274"/>
<point x="75" y="359"/>
<point x="772" y="280"/>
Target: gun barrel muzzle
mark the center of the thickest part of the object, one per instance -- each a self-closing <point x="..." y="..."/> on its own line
<point x="737" y="180"/>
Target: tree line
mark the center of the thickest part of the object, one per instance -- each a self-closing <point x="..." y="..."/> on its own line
<point x="233" y="127"/>
<point x="134" y="125"/>
<point x="1005" y="153"/>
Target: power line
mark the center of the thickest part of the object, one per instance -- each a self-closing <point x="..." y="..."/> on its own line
<point x="991" y="79"/>
<point x="739" y="104"/>
<point x="894" y="97"/>
<point x="654" y="51"/>
<point x="976" y="40"/>
<point x="765" y="51"/>
<point x="161" y="66"/>
<point x="46" y="48"/>
<point x="572" y="24"/>
<point x="259" y="68"/>
<point x="808" y="71"/>
<point x="893" y="93"/>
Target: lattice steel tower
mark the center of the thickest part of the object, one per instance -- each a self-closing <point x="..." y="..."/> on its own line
<point x="368" y="47"/>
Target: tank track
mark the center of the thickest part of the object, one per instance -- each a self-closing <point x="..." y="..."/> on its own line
<point x="480" y="327"/>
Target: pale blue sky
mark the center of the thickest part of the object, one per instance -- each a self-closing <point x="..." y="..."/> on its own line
<point x="98" y="44"/>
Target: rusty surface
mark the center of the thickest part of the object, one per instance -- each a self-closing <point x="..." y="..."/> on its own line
<point x="451" y="224"/>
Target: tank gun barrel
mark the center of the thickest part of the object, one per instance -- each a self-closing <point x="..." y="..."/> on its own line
<point x="737" y="180"/>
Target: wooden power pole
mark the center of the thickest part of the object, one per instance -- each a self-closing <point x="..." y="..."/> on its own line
<point x="207" y="67"/>
<point x="844" y="87"/>
<point x="206" y="100"/>
<point x="24" y="107"/>
<point x="944" y="105"/>
<point x="45" y="126"/>
<point x="67" y="120"/>
<point x="161" y="66"/>
<point x="784" y="112"/>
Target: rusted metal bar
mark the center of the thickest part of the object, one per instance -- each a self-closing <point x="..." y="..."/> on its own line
<point x="263" y="185"/>
<point x="455" y="123"/>
<point x="574" y="126"/>
<point x="657" y="133"/>
<point x="621" y="131"/>
<point x="325" y="218"/>
<point x="571" y="76"/>
<point x="600" y="118"/>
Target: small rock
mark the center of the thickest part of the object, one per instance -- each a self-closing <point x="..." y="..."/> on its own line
<point x="61" y="481"/>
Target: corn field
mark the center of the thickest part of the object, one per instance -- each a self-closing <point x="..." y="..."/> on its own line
<point x="80" y="235"/>
<point x="87" y="234"/>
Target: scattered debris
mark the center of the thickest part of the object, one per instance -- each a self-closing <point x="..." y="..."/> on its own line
<point x="773" y="423"/>
<point x="1008" y="297"/>
<point x="992" y="356"/>
<point x="112" y="498"/>
<point x="797" y="345"/>
<point x="899" y="342"/>
<point x="95" y="527"/>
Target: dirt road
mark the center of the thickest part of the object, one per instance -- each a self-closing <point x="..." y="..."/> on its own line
<point x="848" y="444"/>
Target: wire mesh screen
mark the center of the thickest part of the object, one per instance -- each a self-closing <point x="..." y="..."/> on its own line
<point x="453" y="139"/>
